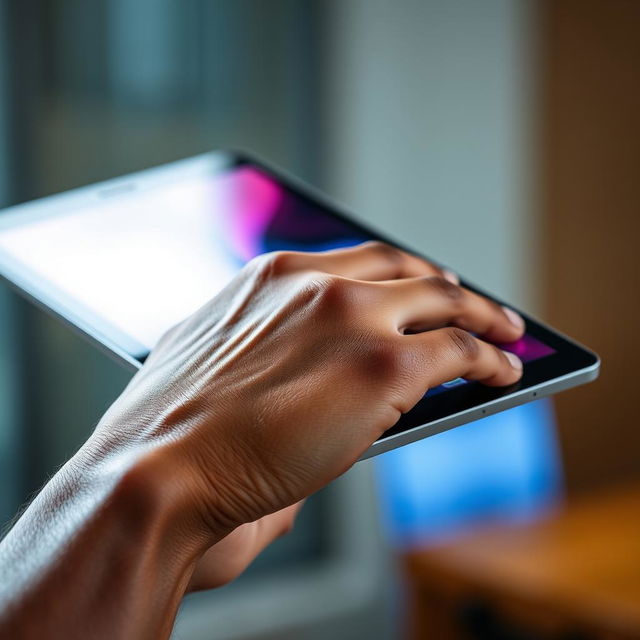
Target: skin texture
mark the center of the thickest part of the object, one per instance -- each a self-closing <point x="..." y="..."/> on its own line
<point x="262" y="397"/>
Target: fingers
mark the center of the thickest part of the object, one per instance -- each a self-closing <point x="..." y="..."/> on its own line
<point x="368" y="261"/>
<point x="227" y="559"/>
<point x="427" y="303"/>
<point x="275" y="525"/>
<point x="446" y="354"/>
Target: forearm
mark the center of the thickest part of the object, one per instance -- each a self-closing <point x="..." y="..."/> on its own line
<point x="103" y="551"/>
<point x="238" y="413"/>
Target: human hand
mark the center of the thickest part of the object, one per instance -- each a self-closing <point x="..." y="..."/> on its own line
<point x="284" y="379"/>
<point x="263" y="396"/>
<point x="226" y="560"/>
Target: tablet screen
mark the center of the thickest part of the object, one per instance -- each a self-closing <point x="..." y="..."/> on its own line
<point x="145" y="260"/>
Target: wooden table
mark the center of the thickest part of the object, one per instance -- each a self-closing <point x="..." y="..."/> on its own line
<point x="575" y="574"/>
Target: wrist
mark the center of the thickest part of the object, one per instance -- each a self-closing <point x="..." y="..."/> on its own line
<point x="149" y="489"/>
<point x="119" y="516"/>
<point x="154" y="487"/>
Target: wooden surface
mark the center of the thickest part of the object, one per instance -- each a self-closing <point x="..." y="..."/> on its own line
<point x="590" y="78"/>
<point x="576" y="571"/>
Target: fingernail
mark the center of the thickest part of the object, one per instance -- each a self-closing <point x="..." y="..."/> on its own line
<point x="514" y="318"/>
<point x="450" y="276"/>
<point x="514" y="361"/>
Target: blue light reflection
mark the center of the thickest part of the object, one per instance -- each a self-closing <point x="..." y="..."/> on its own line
<point x="504" y="467"/>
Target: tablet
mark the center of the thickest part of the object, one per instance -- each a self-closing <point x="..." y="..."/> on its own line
<point x="124" y="260"/>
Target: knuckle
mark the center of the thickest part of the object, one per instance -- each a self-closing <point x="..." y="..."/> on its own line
<point x="278" y="262"/>
<point x="334" y="294"/>
<point x="385" y="250"/>
<point x="462" y="343"/>
<point x="452" y="292"/>
<point x="383" y="358"/>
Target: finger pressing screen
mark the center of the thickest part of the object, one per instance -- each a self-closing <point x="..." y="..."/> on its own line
<point x="433" y="302"/>
<point x="446" y="354"/>
<point x="372" y="261"/>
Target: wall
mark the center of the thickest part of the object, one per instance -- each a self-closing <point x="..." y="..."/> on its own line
<point x="430" y="131"/>
<point x="592" y="211"/>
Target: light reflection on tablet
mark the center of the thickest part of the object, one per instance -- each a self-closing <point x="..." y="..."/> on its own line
<point x="147" y="259"/>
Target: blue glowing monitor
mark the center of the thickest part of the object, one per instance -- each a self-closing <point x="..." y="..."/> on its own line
<point x="503" y="468"/>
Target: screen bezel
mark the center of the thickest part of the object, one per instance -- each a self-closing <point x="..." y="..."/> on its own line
<point x="569" y="357"/>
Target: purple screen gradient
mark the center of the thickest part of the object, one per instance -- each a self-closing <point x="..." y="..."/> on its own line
<point x="528" y="348"/>
<point x="268" y="217"/>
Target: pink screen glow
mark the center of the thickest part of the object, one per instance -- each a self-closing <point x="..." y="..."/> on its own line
<point x="144" y="261"/>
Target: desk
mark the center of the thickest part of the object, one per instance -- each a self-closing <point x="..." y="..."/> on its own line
<point x="575" y="574"/>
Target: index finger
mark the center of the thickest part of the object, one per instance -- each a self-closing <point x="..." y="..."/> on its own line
<point x="371" y="260"/>
<point x="450" y="353"/>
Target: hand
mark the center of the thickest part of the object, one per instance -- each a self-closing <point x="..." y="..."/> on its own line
<point x="227" y="559"/>
<point x="263" y="396"/>
<point x="282" y="381"/>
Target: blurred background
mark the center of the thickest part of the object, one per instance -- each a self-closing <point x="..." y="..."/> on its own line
<point x="501" y="137"/>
